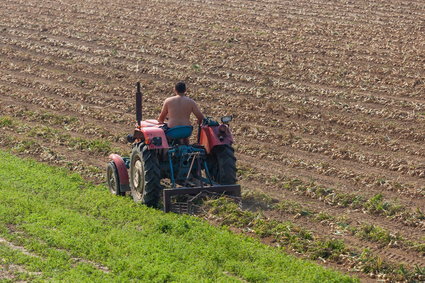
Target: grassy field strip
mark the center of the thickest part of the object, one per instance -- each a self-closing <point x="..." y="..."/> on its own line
<point x="59" y="217"/>
<point x="12" y="261"/>
<point x="21" y="265"/>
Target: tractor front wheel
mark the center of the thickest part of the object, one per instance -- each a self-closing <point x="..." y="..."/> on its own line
<point x="113" y="179"/>
<point x="222" y="165"/>
<point x="145" y="176"/>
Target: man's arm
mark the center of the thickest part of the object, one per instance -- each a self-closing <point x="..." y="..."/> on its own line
<point x="197" y="112"/>
<point x="164" y="112"/>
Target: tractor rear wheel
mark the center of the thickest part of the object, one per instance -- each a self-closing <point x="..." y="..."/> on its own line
<point x="145" y="176"/>
<point x="113" y="179"/>
<point x="222" y="165"/>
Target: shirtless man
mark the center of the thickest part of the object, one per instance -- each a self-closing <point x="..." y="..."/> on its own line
<point x="178" y="108"/>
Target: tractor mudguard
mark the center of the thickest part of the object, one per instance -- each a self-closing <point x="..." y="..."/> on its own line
<point x="155" y="137"/>
<point x="212" y="136"/>
<point x="122" y="172"/>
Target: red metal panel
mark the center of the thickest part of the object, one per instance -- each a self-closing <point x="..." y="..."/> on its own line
<point x="209" y="137"/>
<point x="228" y="138"/>
<point x="122" y="169"/>
<point x="204" y="141"/>
<point x="153" y="132"/>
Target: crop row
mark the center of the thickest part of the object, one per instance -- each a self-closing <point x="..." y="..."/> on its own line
<point x="403" y="132"/>
<point x="42" y="143"/>
<point x="185" y="66"/>
<point x="56" y="136"/>
<point x="391" y="165"/>
<point x="391" y="185"/>
<point x="336" y="152"/>
<point x="360" y="125"/>
<point x="311" y="91"/>
<point x="291" y="131"/>
<point x="366" y="180"/>
<point x="286" y="234"/>
<point x="49" y="101"/>
<point x="324" y="148"/>
<point x="375" y="205"/>
<point x="359" y="179"/>
<point x="92" y="112"/>
<point x="340" y="224"/>
<point x="183" y="28"/>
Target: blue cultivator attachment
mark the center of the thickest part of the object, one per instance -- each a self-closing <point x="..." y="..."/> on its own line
<point x="186" y="164"/>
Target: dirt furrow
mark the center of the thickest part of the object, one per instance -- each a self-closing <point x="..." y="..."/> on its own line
<point x="419" y="70"/>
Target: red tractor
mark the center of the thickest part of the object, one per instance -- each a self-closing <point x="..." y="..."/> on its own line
<point x="161" y="161"/>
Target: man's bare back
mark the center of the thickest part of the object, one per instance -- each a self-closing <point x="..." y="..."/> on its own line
<point x="178" y="109"/>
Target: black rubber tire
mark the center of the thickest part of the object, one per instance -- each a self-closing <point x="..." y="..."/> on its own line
<point x="145" y="176"/>
<point x="113" y="179"/>
<point x="222" y="165"/>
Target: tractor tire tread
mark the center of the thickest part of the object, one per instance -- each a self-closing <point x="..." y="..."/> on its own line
<point x="152" y="191"/>
<point x="226" y="165"/>
<point x="152" y="178"/>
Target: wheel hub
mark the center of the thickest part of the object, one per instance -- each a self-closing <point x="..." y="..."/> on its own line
<point x="112" y="181"/>
<point x="138" y="180"/>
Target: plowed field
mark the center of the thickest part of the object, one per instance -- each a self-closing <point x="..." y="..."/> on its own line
<point x="328" y="99"/>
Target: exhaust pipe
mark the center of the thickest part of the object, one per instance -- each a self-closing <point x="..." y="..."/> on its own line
<point x="138" y="104"/>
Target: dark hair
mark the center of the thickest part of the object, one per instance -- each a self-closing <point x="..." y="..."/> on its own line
<point x="180" y="87"/>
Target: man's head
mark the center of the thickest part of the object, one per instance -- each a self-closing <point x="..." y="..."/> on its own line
<point x="180" y="88"/>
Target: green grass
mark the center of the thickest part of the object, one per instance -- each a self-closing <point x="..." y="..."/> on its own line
<point x="5" y="121"/>
<point x="26" y="145"/>
<point x="376" y="234"/>
<point x="378" y="205"/>
<point x="70" y="228"/>
<point x="94" y="145"/>
<point x="293" y="208"/>
<point x="374" y="205"/>
<point x="257" y="200"/>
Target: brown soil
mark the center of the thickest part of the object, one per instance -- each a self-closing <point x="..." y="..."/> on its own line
<point x="321" y="91"/>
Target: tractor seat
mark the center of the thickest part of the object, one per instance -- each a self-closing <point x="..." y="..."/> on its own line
<point x="179" y="132"/>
